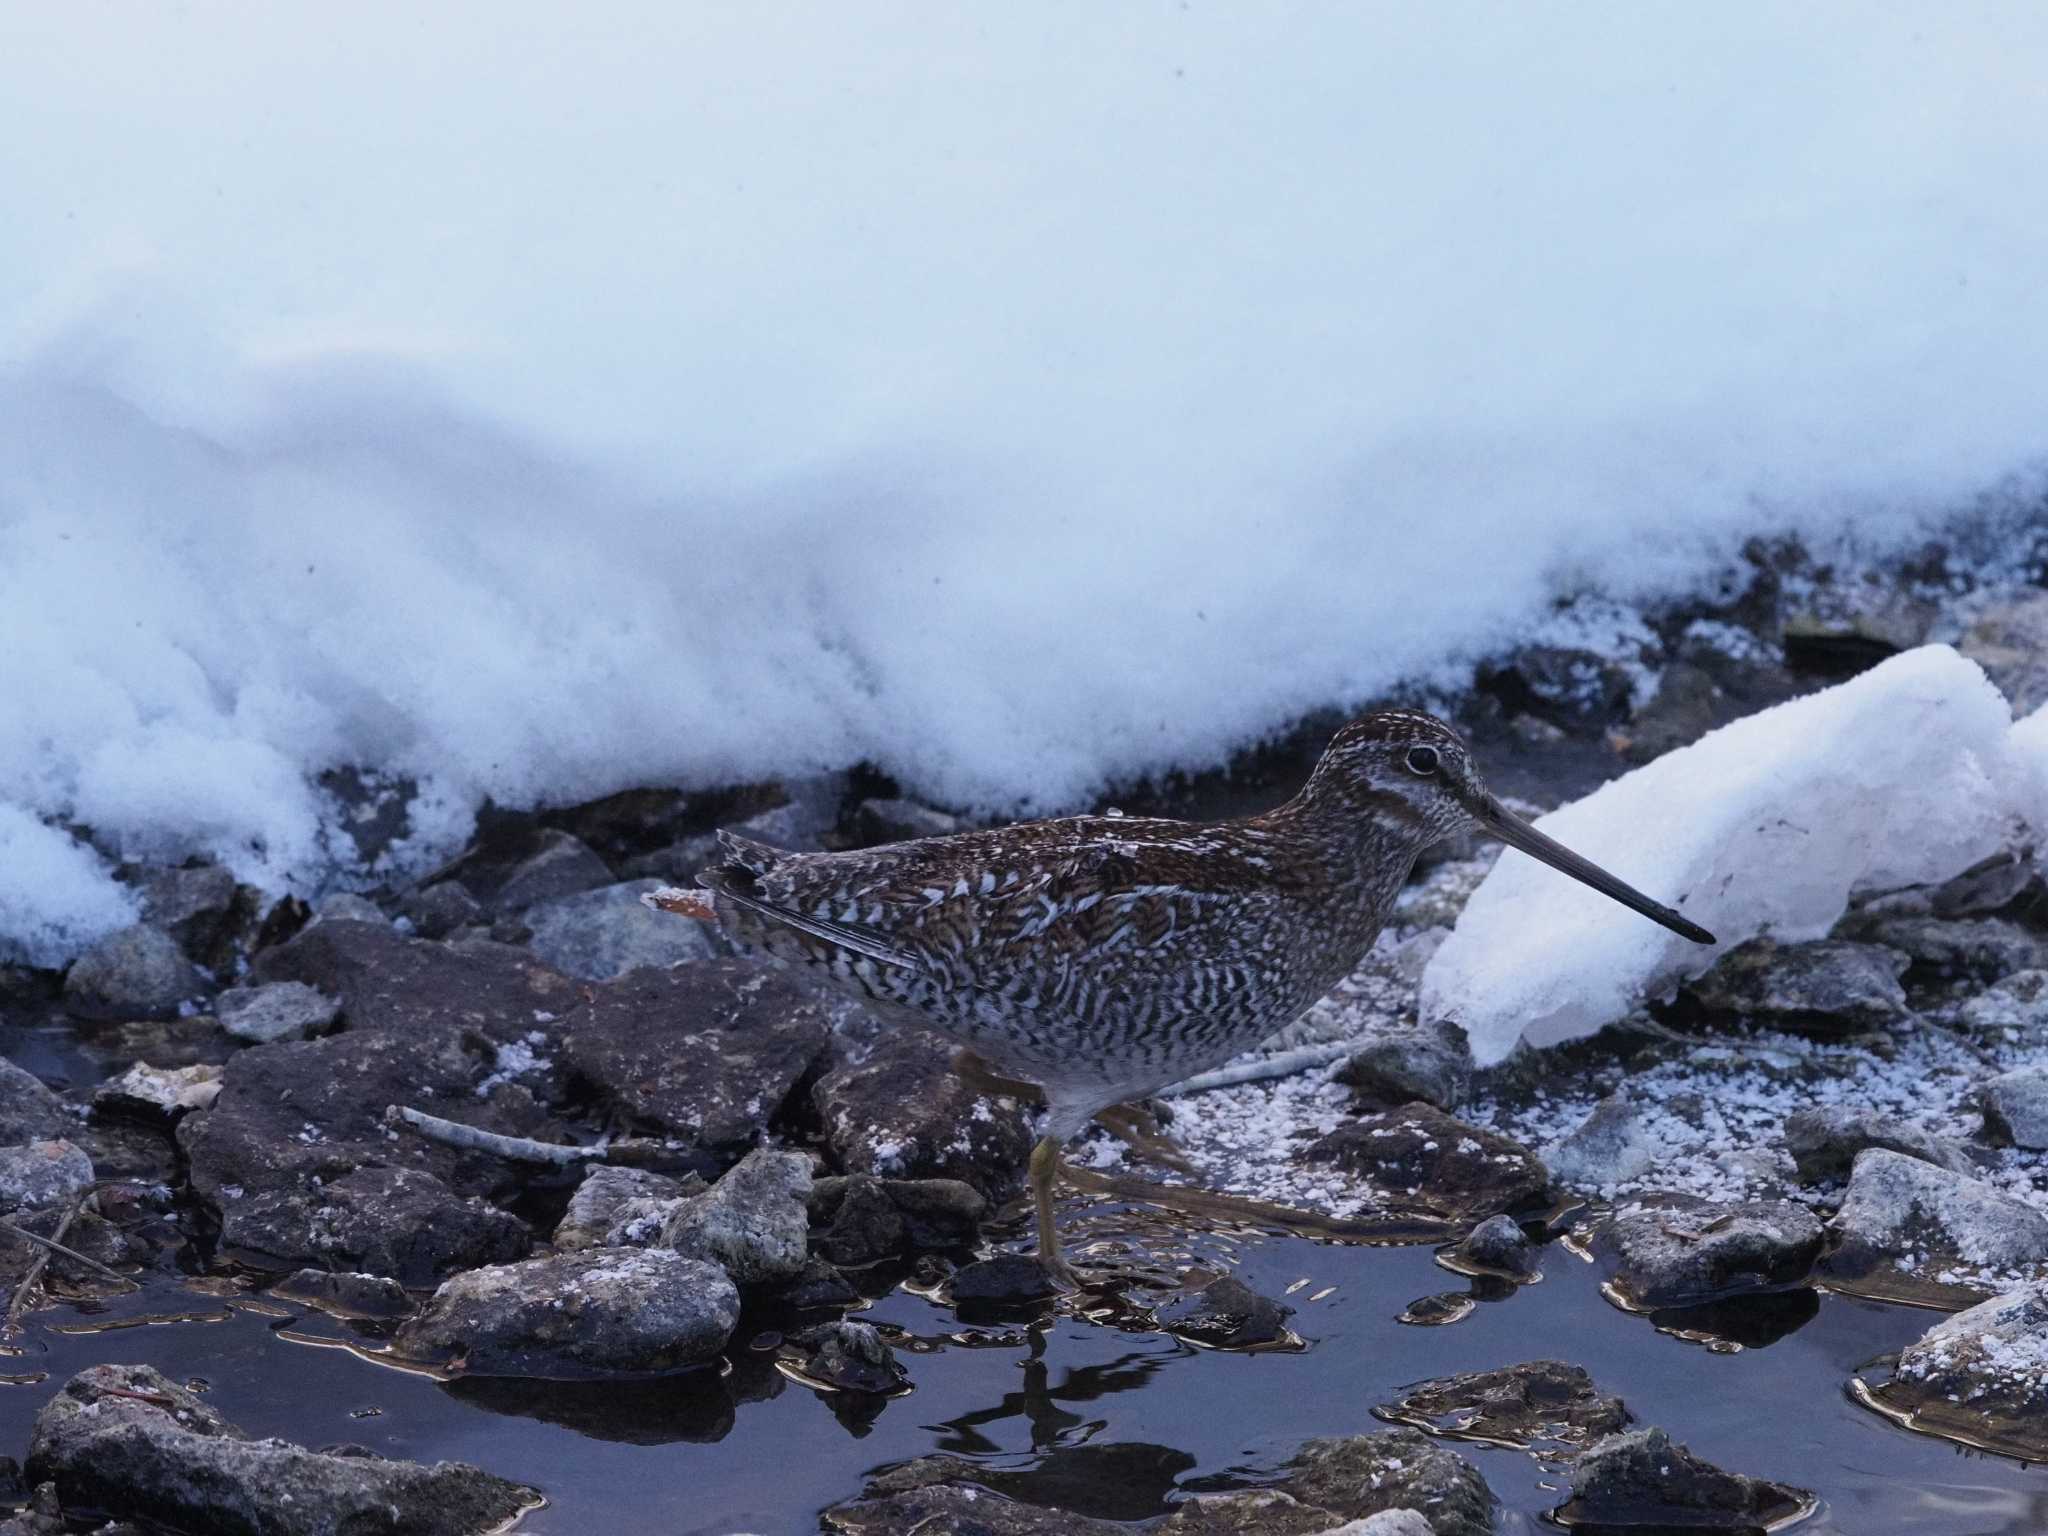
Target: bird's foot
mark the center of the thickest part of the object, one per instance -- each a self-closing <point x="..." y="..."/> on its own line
<point x="1138" y="1128"/>
<point x="1064" y="1277"/>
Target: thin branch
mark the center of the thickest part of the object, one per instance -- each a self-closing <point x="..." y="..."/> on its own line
<point x="468" y="1138"/>
<point x="48" y="1245"/>
<point x="1282" y="1064"/>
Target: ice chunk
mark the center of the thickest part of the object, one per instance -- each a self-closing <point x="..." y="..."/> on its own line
<point x="1907" y="774"/>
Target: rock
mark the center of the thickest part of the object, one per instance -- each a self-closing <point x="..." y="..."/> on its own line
<point x="1498" y="1246"/>
<point x="28" y="1110"/>
<point x="276" y="1010"/>
<point x="1388" y="1522"/>
<point x="754" y="1222"/>
<point x="818" y="1284"/>
<point x="1008" y="1279"/>
<point x="124" y="1440"/>
<point x="1439" y="1310"/>
<point x="901" y="1111"/>
<point x="865" y="1219"/>
<point x="704" y="1054"/>
<point x="1981" y="1376"/>
<point x="607" y="1312"/>
<point x="1566" y="687"/>
<point x="799" y="825"/>
<point x="1687" y="704"/>
<point x="348" y="907"/>
<point x="2010" y="642"/>
<point x="41" y="1173"/>
<point x="1431" y="1063"/>
<point x="1360" y="1475"/>
<point x="2014" y="1007"/>
<point x="604" y="933"/>
<point x="1828" y="985"/>
<point x="404" y="1223"/>
<point x="440" y="909"/>
<point x="1226" y="1314"/>
<point x="1419" y="1156"/>
<point x="345" y="1293"/>
<point x="2015" y="1108"/>
<point x="1910" y="1217"/>
<point x="1615" y="1144"/>
<point x="607" y="1196"/>
<point x="677" y="864"/>
<point x="157" y="1093"/>
<point x="1268" y="1512"/>
<point x="1989" y="947"/>
<point x="1990" y="887"/>
<point x="1641" y="1480"/>
<point x="1684" y="1252"/>
<point x="135" y="973"/>
<point x="1543" y="1403"/>
<point x="851" y="1357"/>
<point x="968" y="1510"/>
<point x="1095" y="1480"/>
<point x="1824" y="1141"/>
<point x="559" y="866"/>
<point x="899" y="821"/>
<point x="197" y="905"/>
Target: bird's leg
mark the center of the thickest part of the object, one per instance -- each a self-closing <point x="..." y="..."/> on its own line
<point x="1045" y="1172"/>
<point x="984" y="1079"/>
<point x="1138" y="1128"/>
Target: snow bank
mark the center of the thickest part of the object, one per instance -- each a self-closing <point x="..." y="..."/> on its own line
<point x="56" y="894"/>
<point x="1903" y="776"/>
<point x="530" y="404"/>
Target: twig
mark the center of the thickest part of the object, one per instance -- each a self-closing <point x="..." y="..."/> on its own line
<point x="47" y="1245"/>
<point x="51" y="1245"/>
<point x="518" y="1149"/>
<point x="1283" y="1064"/>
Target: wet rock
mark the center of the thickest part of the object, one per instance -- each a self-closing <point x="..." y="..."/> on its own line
<point x="125" y="1440"/>
<point x="138" y="972"/>
<point x="607" y="1312"/>
<point x="1430" y="1062"/>
<point x="851" y="1357"/>
<point x="1543" y="1402"/>
<point x="198" y="905"/>
<point x="817" y="1284"/>
<point x="1388" y="1522"/>
<point x="1566" y="687"/>
<point x="1361" y="1475"/>
<point x="347" y="906"/>
<point x="346" y="1294"/>
<point x="1911" y="1217"/>
<point x="2016" y="1007"/>
<point x="1981" y="1376"/>
<point x="754" y="1222"/>
<point x="604" y="933"/>
<point x="2015" y="1108"/>
<point x="1268" y="1512"/>
<point x="1987" y="888"/>
<point x="387" y="981"/>
<point x="1008" y="1279"/>
<point x="1683" y="1251"/>
<point x="1439" y="1310"/>
<point x="559" y="866"/>
<point x="1420" y="1156"/>
<point x="900" y="1111"/>
<point x="949" y="1507"/>
<point x="440" y="909"/>
<point x="609" y="1196"/>
<point x="1989" y="947"/>
<point x="1499" y="1246"/>
<point x="1226" y="1314"/>
<point x="677" y="864"/>
<point x="899" y="821"/>
<point x="276" y="1010"/>
<point x="157" y="1093"/>
<point x="1828" y="985"/>
<point x="404" y="1223"/>
<point x="2010" y="642"/>
<point x="1824" y="1141"/>
<point x="1640" y="1480"/>
<point x="862" y="1219"/>
<point x="29" y="1111"/>
<point x="42" y="1173"/>
<point x="704" y="1054"/>
<point x="1107" y="1480"/>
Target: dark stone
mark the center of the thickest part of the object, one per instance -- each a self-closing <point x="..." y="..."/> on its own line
<point x="1688" y="703"/>
<point x="1095" y="1479"/>
<point x="1985" y="947"/>
<point x="1499" y="1246"/>
<point x="606" y="1312"/>
<point x="441" y="909"/>
<point x="1224" y="1314"/>
<point x="611" y="1197"/>
<point x="1569" y="688"/>
<point x="2015" y="1106"/>
<point x="2010" y="642"/>
<point x="902" y="1112"/>
<point x="404" y="1223"/>
<point x="346" y="1294"/>
<point x="560" y="865"/>
<point x="1640" y="1480"/>
<point x="1828" y="985"/>
<point x="966" y="1511"/>
<point x="1269" y="1512"/>
<point x="1825" y="1140"/>
<point x="36" y="1174"/>
<point x="899" y="821"/>
<point x="138" y="972"/>
<point x="29" y="1111"/>
<point x="754" y="1222"/>
<point x="677" y="864"/>
<point x="199" y="905"/>
<point x="818" y="1284"/>
<point x="864" y="1219"/>
<point x="1684" y="1251"/>
<point x="851" y="1357"/>
<point x="602" y="934"/>
<point x="1544" y="1402"/>
<point x="704" y="1054"/>
<point x="1431" y="1063"/>
<point x="1360" y="1475"/>
<point x="123" y="1440"/>
<point x="1008" y="1279"/>
<point x="1419" y="1157"/>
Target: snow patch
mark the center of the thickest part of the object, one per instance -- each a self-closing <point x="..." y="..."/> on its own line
<point x="56" y="894"/>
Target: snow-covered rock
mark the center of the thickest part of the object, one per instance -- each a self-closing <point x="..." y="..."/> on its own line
<point x="1906" y="775"/>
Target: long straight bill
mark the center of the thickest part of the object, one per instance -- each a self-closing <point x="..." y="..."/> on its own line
<point x="1517" y="833"/>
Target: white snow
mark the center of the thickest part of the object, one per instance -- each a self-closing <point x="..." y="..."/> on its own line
<point x="1905" y="775"/>
<point x="56" y="894"/>
<point x="532" y="404"/>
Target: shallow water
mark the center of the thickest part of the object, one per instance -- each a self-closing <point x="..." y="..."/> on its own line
<point x="1110" y="1421"/>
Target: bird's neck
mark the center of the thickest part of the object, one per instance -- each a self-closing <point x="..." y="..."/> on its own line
<point x="1365" y="839"/>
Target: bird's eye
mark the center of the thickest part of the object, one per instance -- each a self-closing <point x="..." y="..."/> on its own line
<point x="1422" y="761"/>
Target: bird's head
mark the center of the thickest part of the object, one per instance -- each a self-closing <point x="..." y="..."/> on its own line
<point x="1413" y="773"/>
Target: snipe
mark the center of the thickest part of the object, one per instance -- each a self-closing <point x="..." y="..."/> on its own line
<point x="1106" y="958"/>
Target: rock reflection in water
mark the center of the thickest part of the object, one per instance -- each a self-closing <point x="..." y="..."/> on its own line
<point x="1740" y="1322"/>
<point x="1038" y="1402"/>
<point x="696" y="1406"/>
